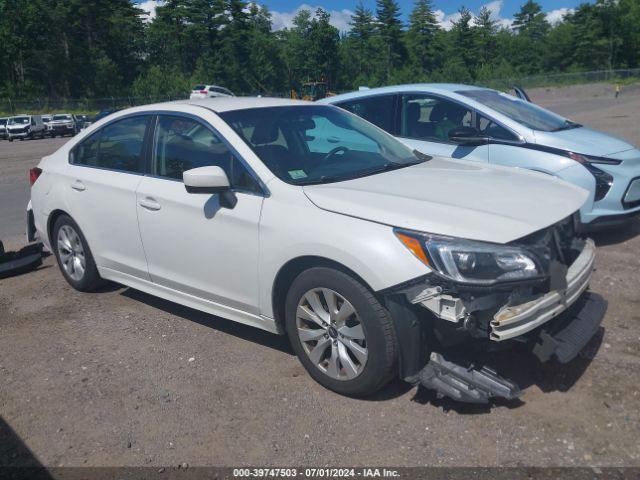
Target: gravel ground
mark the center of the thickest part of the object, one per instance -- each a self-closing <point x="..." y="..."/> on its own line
<point x="122" y="378"/>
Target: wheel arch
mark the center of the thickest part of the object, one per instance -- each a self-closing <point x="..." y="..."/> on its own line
<point x="51" y="221"/>
<point x="290" y="270"/>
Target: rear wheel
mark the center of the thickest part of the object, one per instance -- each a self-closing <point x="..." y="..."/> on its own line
<point x="342" y="335"/>
<point x="74" y="256"/>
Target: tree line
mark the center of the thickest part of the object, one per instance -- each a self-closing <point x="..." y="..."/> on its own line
<point x="102" y="48"/>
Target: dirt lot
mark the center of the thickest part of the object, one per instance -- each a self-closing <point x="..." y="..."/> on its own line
<point x="121" y="378"/>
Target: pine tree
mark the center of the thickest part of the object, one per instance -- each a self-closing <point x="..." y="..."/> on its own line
<point x="421" y="37"/>
<point x="465" y="45"/>
<point x="390" y="29"/>
<point x="486" y="29"/>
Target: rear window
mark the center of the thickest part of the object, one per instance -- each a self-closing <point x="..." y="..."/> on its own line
<point x="200" y="87"/>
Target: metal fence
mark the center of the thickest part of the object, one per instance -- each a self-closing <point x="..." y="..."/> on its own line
<point x="562" y="79"/>
<point x="12" y="106"/>
<point x="79" y="105"/>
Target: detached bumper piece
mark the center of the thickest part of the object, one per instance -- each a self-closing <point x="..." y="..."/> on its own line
<point x="24" y="260"/>
<point x="568" y="338"/>
<point x="464" y="384"/>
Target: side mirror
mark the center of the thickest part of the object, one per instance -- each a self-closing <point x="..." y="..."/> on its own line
<point x="210" y="180"/>
<point x="467" y="136"/>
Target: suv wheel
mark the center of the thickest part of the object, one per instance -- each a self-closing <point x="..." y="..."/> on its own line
<point x="74" y="256"/>
<point x="342" y="335"/>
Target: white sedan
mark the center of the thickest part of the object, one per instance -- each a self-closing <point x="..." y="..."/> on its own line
<point x="304" y="219"/>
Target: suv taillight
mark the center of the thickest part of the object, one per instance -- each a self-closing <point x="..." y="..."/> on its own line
<point x="203" y="91"/>
<point x="34" y="173"/>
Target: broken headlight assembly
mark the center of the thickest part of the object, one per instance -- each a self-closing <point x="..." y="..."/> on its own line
<point x="473" y="262"/>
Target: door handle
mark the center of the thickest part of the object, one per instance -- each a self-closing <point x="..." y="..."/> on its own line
<point x="78" y="186"/>
<point x="149" y="204"/>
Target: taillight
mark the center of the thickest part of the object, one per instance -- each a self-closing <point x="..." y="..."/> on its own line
<point x="203" y="91"/>
<point x="34" y="173"/>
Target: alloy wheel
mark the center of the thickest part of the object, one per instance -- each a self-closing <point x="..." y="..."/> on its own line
<point x="331" y="333"/>
<point x="71" y="252"/>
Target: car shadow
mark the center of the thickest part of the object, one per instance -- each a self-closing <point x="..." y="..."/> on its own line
<point x="16" y="459"/>
<point x="245" y="332"/>
<point x="523" y="368"/>
<point x="615" y="235"/>
<point x="517" y="364"/>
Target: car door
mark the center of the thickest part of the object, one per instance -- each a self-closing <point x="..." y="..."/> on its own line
<point x="505" y="147"/>
<point x="105" y="170"/>
<point x="425" y="123"/>
<point x="192" y="244"/>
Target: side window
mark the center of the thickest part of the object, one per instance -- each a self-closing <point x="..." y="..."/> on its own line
<point x="33" y="121"/>
<point x="121" y="144"/>
<point x="377" y="110"/>
<point x="427" y="117"/>
<point x="493" y="130"/>
<point x="118" y="146"/>
<point x="86" y="153"/>
<point x="181" y="144"/>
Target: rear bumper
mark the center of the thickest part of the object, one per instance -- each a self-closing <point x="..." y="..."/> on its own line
<point x="13" y="263"/>
<point x="514" y="321"/>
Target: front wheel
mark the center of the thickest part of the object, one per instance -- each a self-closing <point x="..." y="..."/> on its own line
<point x="342" y="335"/>
<point x="74" y="256"/>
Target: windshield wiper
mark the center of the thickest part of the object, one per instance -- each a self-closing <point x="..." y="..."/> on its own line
<point x="387" y="167"/>
<point x="422" y="157"/>
<point x="568" y="125"/>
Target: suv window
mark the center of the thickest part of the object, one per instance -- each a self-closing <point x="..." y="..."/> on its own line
<point x="117" y="146"/>
<point x="493" y="130"/>
<point x="377" y="110"/>
<point x="427" y="117"/>
<point x="181" y="144"/>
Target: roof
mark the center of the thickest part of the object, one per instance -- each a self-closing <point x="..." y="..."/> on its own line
<point x="426" y="87"/>
<point x="225" y="104"/>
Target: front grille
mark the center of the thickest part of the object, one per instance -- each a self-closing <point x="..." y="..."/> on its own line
<point x="557" y="242"/>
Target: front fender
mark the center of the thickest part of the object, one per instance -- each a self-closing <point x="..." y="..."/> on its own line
<point x="292" y="227"/>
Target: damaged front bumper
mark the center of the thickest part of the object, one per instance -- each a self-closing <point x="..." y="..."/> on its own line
<point x="557" y="323"/>
<point x="514" y="321"/>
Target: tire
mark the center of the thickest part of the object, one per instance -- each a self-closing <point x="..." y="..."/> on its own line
<point x="367" y="329"/>
<point x="10" y="139"/>
<point x="72" y="253"/>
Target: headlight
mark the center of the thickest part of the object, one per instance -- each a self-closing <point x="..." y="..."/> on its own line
<point x="468" y="261"/>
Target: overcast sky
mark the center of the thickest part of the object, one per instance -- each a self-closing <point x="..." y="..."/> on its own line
<point x="283" y="11"/>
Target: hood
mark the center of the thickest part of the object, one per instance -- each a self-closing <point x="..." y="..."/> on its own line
<point x="583" y="140"/>
<point x="455" y="198"/>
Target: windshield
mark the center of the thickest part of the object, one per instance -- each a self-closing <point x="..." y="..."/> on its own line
<point x="19" y="121"/>
<point x="304" y="145"/>
<point x="525" y="113"/>
<point x="62" y="117"/>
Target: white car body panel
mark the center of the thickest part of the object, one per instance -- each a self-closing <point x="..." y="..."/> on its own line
<point x="225" y="261"/>
<point x="437" y="197"/>
<point x="226" y="268"/>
